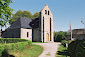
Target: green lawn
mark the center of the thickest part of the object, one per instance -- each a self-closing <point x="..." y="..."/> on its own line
<point x="62" y="52"/>
<point x="32" y="51"/>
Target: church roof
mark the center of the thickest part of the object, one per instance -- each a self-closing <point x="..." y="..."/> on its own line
<point x="25" y="23"/>
<point x="21" y="23"/>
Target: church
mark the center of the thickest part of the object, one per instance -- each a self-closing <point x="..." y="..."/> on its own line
<point x="39" y="29"/>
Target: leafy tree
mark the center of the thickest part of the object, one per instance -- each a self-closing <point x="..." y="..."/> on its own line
<point x="15" y="16"/>
<point x="25" y="14"/>
<point x="37" y="14"/>
<point x="59" y="36"/>
<point x="2" y="23"/>
<point x="5" y="12"/>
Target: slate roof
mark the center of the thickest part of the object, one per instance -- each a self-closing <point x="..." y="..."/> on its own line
<point x="35" y="23"/>
<point x="25" y="23"/>
<point x="77" y="32"/>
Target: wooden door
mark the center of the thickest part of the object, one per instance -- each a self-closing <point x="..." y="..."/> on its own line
<point x="47" y="37"/>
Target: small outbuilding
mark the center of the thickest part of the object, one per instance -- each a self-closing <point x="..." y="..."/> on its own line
<point x="77" y="34"/>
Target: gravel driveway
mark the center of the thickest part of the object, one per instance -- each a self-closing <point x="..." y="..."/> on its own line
<point x="49" y="49"/>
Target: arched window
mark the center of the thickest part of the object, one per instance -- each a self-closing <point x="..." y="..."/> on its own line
<point x="45" y="11"/>
<point x="50" y="29"/>
<point x="43" y="29"/>
<point x="48" y="13"/>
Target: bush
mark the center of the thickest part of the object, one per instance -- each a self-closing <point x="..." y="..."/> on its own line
<point x="80" y="49"/>
<point x="63" y="42"/>
<point x="70" y="41"/>
<point x="13" y="44"/>
<point x="72" y="47"/>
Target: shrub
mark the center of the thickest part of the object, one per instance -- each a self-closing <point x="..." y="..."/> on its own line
<point x="1" y="49"/>
<point x="80" y="49"/>
<point x="63" y="42"/>
<point x="70" y="41"/>
<point x="13" y="44"/>
<point x="11" y="40"/>
<point x="72" y="47"/>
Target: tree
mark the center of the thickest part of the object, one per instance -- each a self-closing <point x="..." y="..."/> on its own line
<point x="37" y="14"/>
<point x="59" y="36"/>
<point x="25" y="14"/>
<point x="5" y="12"/>
<point x="15" y="16"/>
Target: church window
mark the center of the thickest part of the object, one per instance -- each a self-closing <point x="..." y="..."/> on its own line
<point x="50" y="29"/>
<point x="45" y="11"/>
<point x="48" y="13"/>
<point x="43" y="29"/>
<point x="27" y="34"/>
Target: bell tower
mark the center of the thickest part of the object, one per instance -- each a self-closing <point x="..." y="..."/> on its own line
<point x="46" y="24"/>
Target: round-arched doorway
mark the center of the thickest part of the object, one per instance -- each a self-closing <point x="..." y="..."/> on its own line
<point x="47" y="37"/>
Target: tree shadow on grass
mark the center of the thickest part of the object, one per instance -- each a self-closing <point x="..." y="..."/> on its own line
<point x="63" y="52"/>
<point x="5" y="54"/>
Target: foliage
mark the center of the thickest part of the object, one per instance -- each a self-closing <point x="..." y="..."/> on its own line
<point x="11" y="40"/>
<point x="25" y="14"/>
<point x="37" y="14"/>
<point x="72" y="47"/>
<point x="19" y="45"/>
<point x="80" y="49"/>
<point x="62" y="52"/>
<point x="70" y="41"/>
<point x="5" y="12"/>
<point x="63" y="42"/>
<point x="59" y="36"/>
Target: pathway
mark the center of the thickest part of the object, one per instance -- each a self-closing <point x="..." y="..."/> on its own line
<point x="49" y="49"/>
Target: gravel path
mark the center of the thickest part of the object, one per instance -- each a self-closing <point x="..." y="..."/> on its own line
<point x="49" y="49"/>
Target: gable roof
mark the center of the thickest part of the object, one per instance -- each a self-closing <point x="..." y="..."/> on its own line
<point x="35" y="23"/>
<point x="78" y="31"/>
<point x="25" y="23"/>
<point x="21" y="23"/>
<point x="44" y="7"/>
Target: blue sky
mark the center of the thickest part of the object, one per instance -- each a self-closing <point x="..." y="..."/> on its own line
<point x="64" y="11"/>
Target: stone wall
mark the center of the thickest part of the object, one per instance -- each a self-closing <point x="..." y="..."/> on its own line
<point x="36" y="35"/>
<point x="24" y="32"/>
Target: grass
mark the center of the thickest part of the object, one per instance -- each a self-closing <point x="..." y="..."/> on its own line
<point x="32" y="51"/>
<point x="62" y="52"/>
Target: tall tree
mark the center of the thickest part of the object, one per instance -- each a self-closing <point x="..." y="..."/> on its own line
<point x="37" y="14"/>
<point x="59" y="36"/>
<point x="5" y="12"/>
<point x="15" y="16"/>
<point x="25" y="14"/>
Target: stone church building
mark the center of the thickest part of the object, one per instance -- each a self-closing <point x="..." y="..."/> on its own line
<point x="38" y="29"/>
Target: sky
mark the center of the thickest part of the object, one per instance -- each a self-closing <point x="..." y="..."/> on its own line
<point x="64" y="11"/>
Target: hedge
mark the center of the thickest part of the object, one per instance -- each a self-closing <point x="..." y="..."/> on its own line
<point x="11" y="40"/>
<point x="73" y="49"/>
<point x="80" y="49"/>
<point x="13" y="44"/>
<point x="63" y="42"/>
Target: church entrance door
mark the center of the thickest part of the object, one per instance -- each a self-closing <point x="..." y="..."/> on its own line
<point x="47" y="37"/>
